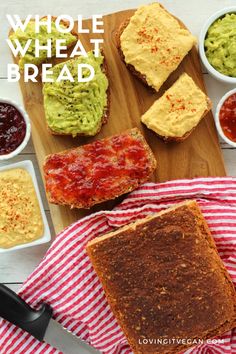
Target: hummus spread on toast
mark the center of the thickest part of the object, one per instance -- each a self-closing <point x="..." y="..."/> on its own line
<point x="155" y="43"/>
<point x="179" y="110"/>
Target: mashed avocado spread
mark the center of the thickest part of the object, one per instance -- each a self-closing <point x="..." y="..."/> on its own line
<point x="220" y="45"/>
<point x="76" y="107"/>
<point x="42" y="36"/>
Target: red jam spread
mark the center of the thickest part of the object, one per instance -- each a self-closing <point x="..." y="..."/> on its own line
<point x="228" y="117"/>
<point x="12" y="128"/>
<point x="99" y="171"/>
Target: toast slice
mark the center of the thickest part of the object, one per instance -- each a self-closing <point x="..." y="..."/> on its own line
<point x="175" y="115"/>
<point x="165" y="281"/>
<point x="152" y="43"/>
<point x="29" y="33"/>
<point x="100" y="171"/>
<point x="78" y="108"/>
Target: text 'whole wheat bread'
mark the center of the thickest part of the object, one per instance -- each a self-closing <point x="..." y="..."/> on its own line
<point x="164" y="280"/>
<point x="64" y="23"/>
<point x="104" y="68"/>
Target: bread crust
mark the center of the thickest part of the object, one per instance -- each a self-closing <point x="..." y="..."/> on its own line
<point x="106" y="112"/>
<point x="185" y="227"/>
<point x="120" y="189"/>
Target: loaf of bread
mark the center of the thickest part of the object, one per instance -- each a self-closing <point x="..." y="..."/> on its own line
<point x="165" y="281"/>
<point x="100" y="171"/>
<point x="177" y="113"/>
<point x="153" y="43"/>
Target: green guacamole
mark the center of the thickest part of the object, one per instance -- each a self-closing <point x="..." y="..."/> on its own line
<point x="220" y="45"/>
<point x="76" y="107"/>
<point x="42" y="36"/>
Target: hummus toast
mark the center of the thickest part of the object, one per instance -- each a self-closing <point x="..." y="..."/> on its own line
<point x="153" y="43"/>
<point x="178" y="111"/>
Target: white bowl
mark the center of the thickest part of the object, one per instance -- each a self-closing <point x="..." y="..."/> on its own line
<point x="46" y="237"/>
<point x="27" y="133"/>
<point x="217" y="118"/>
<point x="216" y="74"/>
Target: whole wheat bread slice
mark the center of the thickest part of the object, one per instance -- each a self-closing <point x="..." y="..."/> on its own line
<point x="132" y="69"/>
<point x="133" y="170"/>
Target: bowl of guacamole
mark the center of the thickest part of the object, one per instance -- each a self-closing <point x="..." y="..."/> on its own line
<point x="217" y="45"/>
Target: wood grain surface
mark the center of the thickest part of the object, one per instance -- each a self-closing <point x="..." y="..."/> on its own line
<point x="199" y="155"/>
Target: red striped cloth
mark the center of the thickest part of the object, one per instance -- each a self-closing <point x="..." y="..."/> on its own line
<point x="66" y="280"/>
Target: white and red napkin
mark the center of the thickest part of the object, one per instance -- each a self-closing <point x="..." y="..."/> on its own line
<point x="65" y="278"/>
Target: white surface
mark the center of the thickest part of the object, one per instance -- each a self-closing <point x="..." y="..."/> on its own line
<point x="16" y="266"/>
<point x="203" y="32"/>
<point x="46" y="237"/>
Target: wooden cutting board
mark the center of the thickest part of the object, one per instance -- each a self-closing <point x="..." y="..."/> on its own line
<point x="199" y="155"/>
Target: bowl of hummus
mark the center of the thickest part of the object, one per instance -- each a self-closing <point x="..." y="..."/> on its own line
<point x="217" y="45"/>
<point x="23" y="222"/>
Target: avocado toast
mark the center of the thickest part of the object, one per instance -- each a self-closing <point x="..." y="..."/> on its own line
<point x="30" y="34"/>
<point x="78" y="108"/>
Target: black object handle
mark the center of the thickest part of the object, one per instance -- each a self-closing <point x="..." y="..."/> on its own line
<point x="16" y="311"/>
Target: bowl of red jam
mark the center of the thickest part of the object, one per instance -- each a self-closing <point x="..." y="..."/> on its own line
<point x="226" y="117"/>
<point x="14" y="129"/>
